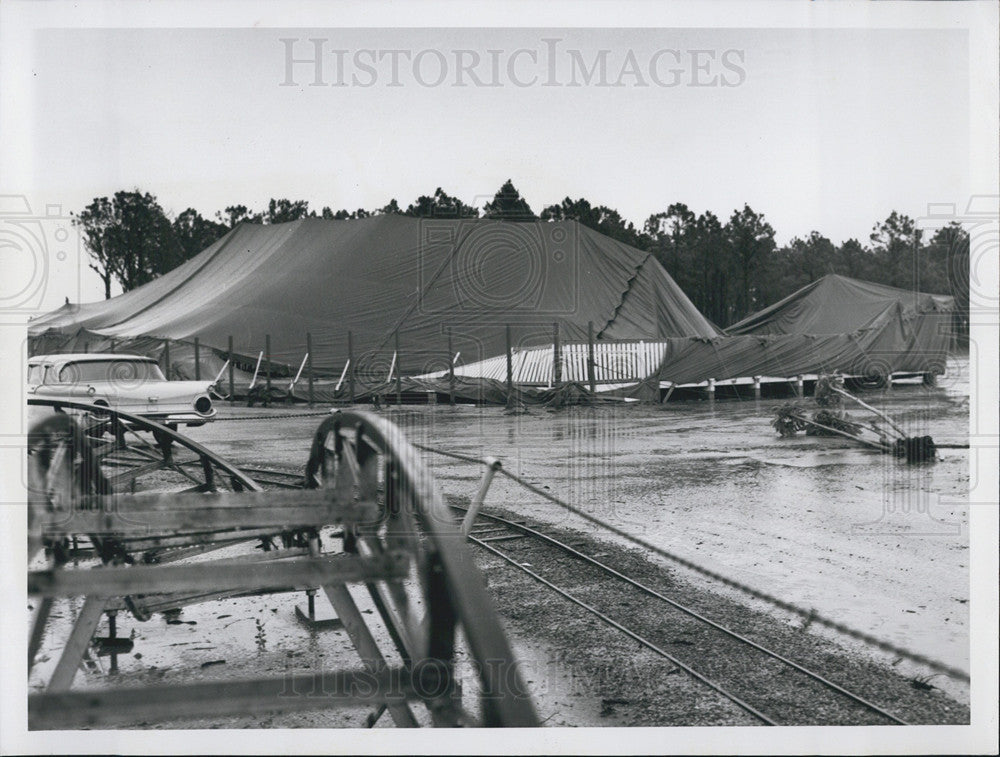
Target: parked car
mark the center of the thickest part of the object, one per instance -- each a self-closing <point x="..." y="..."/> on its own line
<point x="130" y="383"/>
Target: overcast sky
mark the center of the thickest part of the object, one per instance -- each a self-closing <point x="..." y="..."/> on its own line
<point x="825" y="129"/>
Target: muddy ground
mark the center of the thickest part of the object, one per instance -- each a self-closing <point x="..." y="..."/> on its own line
<point x="820" y="522"/>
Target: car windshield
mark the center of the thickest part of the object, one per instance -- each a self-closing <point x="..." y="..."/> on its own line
<point x="116" y="371"/>
<point x="35" y="373"/>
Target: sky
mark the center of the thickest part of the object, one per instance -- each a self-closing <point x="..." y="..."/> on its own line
<point x="826" y="129"/>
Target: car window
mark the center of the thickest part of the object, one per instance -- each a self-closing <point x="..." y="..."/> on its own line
<point x="116" y="371"/>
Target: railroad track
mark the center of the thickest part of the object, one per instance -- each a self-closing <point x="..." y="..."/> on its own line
<point x="765" y="685"/>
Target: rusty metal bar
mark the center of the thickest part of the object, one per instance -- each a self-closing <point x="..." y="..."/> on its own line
<point x="492" y="466"/>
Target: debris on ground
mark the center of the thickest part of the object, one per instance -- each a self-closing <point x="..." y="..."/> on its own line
<point x="832" y="420"/>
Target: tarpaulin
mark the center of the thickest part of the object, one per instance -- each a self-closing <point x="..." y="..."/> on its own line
<point x="839" y="305"/>
<point x="390" y="279"/>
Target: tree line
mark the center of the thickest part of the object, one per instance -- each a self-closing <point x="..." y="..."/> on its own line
<point x="729" y="268"/>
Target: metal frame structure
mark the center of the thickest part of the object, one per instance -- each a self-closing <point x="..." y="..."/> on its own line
<point x="395" y="537"/>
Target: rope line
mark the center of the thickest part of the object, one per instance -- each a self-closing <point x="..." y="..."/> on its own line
<point x="271" y="416"/>
<point x="811" y="615"/>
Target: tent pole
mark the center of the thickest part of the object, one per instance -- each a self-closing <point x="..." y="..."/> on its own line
<point x="590" y="358"/>
<point x="309" y="353"/>
<point x="197" y="360"/>
<point x="451" y="371"/>
<point x="556" y="356"/>
<point x="350" y="364"/>
<point x="510" y="370"/>
<point x="232" y="391"/>
<point x="267" y="370"/>
<point x="399" y="373"/>
<point x="166" y="358"/>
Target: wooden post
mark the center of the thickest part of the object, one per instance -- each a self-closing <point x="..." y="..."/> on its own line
<point x="77" y="644"/>
<point x="451" y="371"/>
<point x="232" y="390"/>
<point x="556" y="356"/>
<point x="267" y="369"/>
<point x="166" y="358"/>
<point x="799" y="386"/>
<point x="309" y="351"/>
<point x="350" y="364"/>
<point x="756" y="387"/>
<point x="510" y="369"/>
<point x="399" y="373"/>
<point x="711" y="388"/>
<point x="591" y="374"/>
<point x="197" y="360"/>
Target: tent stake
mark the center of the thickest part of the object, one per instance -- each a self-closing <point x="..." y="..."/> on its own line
<point x="451" y="372"/>
<point x="556" y="356"/>
<point x="309" y="350"/>
<point x="342" y="374"/>
<point x="510" y="371"/>
<point x="298" y="375"/>
<point x="256" y="369"/>
<point x="350" y="362"/>
<point x="399" y="374"/>
<point x="267" y="370"/>
<point x="221" y="371"/>
<point x="591" y="377"/>
<point x="232" y="389"/>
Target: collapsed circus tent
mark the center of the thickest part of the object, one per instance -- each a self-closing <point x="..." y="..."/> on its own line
<point x="835" y="324"/>
<point x="839" y="305"/>
<point x="403" y="288"/>
<point x="405" y="297"/>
